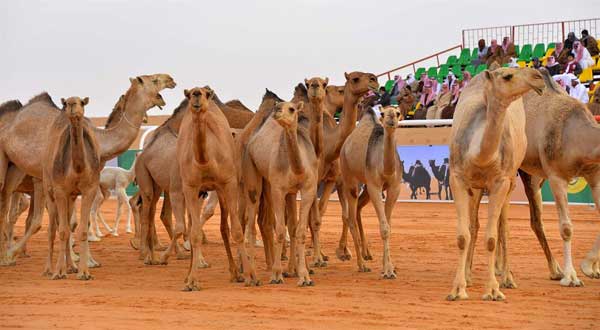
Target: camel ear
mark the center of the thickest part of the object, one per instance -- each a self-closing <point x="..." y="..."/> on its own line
<point x="306" y="82"/>
<point x="488" y="74"/>
<point x="326" y="82"/>
<point x="63" y="101"/>
<point x="346" y="75"/>
<point x="86" y="100"/>
<point x="186" y="93"/>
<point x="209" y="94"/>
<point x="300" y="105"/>
<point x="139" y="79"/>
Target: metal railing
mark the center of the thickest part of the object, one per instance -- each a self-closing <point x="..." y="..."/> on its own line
<point x="414" y="63"/>
<point x="531" y="33"/>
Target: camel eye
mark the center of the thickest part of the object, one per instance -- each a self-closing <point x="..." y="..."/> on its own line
<point x="382" y="114"/>
<point x="508" y="77"/>
<point x="292" y="110"/>
<point x="355" y="80"/>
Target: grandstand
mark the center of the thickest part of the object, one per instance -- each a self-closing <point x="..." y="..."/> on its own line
<point x="531" y="40"/>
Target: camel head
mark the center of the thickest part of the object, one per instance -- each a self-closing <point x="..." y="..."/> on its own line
<point x="317" y="88"/>
<point x="390" y="116"/>
<point x="406" y="100"/>
<point x="73" y="106"/>
<point x="334" y="95"/>
<point x="199" y="98"/>
<point x="508" y="84"/>
<point x="359" y="83"/>
<point x="151" y="86"/>
<point x="286" y="114"/>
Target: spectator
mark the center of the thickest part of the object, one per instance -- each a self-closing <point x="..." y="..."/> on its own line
<point x="494" y="53"/>
<point x="560" y="54"/>
<point x="582" y="55"/>
<point x="571" y="38"/>
<point x="590" y="43"/>
<point x="560" y="81"/>
<point x="553" y="66"/>
<point x="384" y="97"/>
<point x="399" y="83"/>
<point x="513" y="63"/>
<point x="482" y="52"/>
<point x="578" y="91"/>
<point x="572" y="66"/>
<point x="429" y="93"/>
<point x="508" y="49"/>
<point x="536" y="64"/>
<point x="466" y="78"/>
<point x="410" y="78"/>
<point x="451" y="80"/>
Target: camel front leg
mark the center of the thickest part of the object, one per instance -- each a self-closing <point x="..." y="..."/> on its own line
<point x="308" y="201"/>
<point x="233" y="269"/>
<point x="498" y="199"/>
<point x="590" y="266"/>
<point x="507" y="280"/>
<point x="342" y="252"/>
<point x="14" y="177"/>
<point x="390" y="202"/>
<point x="62" y="204"/>
<point x="463" y="237"/>
<point x="179" y="202"/>
<point x="292" y="216"/>
<point x="363" y="200"/>
<point x="474" y="203"/>
<point x="52" y="224"/>
<point x="278" y="205"/>
<point x="252" y="196"/>
<point x="87" y="198"/>
<point x="192" y="281"/>
<point x="37" y="202"/>
<point x="559" y="190"/>
<point x="351" y="194"/>
<point x="315" y="221"/>
<point x="385" y="231"/>
<point x="533" y="191"/>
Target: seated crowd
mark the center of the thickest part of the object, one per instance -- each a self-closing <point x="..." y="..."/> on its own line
<point x="432" y="99"/>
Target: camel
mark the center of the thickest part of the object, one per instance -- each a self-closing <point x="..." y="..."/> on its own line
<point x="487" y="145"/>
<point x="356" y="86"/>
<point x="207" y="160"/>
<point x="406" y="101"/>
<point x="334" y="99"/>
<point x="369" y="157"/>
<point x="594" y="103"/>
<point x="237" y="104"/>
<point x="71" y="167"/>
<point x="116" y="179"/>
<point x="442" y="175"/>
<point x="289" y="166"/>
<point x="20" y="202"/>
<point x="555" y="121"/>
<point x="418" y="179"/>
<point x="23" y="143"/>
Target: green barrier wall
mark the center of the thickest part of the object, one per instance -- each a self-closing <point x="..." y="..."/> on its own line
<point x="125" y="160"/>
<point x="579" y="192"/>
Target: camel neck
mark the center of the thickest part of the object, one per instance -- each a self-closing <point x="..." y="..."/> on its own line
<point x="199" y="124"/>
<point x="293" y="151"/>
<point x="77" y="150"/>
<point x="316" y="125"/>
<point x="389" y="151"/>
<point x="494" y="128"/>
<point x="347" y="121"/>
<point x="118" y="137"/>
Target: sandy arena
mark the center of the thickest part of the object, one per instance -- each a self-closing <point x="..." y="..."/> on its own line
<point x="125" y="294"/>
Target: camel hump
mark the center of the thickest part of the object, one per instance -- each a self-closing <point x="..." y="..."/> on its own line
<point x="10" y="106"/>
<point x="43" y="97"/>
<point x="551" y="85"/>
<point x="271" y="95"/>
<point x="238" y="104"/>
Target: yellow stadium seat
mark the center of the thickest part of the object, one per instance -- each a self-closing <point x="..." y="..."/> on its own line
<point x="597" y="66"/>
<point x="545" y="58"/>
<point x="586" y="75"/>
<point x="522" y="64"/>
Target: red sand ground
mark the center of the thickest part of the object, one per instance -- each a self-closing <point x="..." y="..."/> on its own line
<point x="127" y="294"/>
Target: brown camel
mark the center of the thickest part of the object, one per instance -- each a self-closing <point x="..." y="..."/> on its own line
<point x="369" y="156"/>
<point x="334" y="135"/>
<point x="488" y="144"/>
<point x="71" y="167"/>
<point x="289" y="166"/>
<point x="406" y="101"/>
<point x="334" y="99"/>
<point x="594" y="103"/>
<point x="208" y="160"/>
<point x="557" y="123"/>
<point x="23" y="142"/>
<point x="237" y="104"/>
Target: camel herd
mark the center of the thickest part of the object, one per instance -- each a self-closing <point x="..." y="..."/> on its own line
<point x="507" y="121"/>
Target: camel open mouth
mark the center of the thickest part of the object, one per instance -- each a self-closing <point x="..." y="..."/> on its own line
<point x="160" y="102"/>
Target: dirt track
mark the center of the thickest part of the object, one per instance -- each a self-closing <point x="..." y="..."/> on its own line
<point x="127" y="294"/>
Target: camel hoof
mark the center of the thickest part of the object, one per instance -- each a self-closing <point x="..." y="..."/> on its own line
<point x="311" y="272"/>
<point x="508" y="284"/>
<point x="94" y="264"/>
<point x="85" y="276"/>
<point x="277" y="281"/>
<point x="128" y="230"/>
<point x="495" y="295"/>
<point x="389" y="275"/>
<point x="343" y="254"/>
<point x="305" y="283"/>
<point x="458" y="293"/>
<point x="47" y="273"/>
<point x="591" y="268"/>
<point x="368" y="256"/>
<point x="182" y="256"/>
<point x="238" y="279"/>
<point x="150" y="262"/>
<point x="571" y="280"/>
<point x="319" y="263"/>
<point x="308" y="253"/>
<point x="203" y="264"/>
<point x="187" y="246"/>
<point x="190" y="288"/>
<point x="364" y="269"/>
<point x="115" y="234"/>
<point x="325" y="258"/>
<point x="58" y="276"/>
<point x="72" y="270"/>
<point x="289" y="274"/>
<point x="252" y="282"/>
<point x="284" y="257"/>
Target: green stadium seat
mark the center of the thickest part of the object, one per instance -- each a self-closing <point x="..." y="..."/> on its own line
<point x="457" y="71"/>
<point x="517" y="50"/>
<point x="551" y="45"/>
<point x="465" y="56"/>
<point x="471" y="69"/>
<point x="539" y="50"/>
<point x="474" y="54"/>
<point x="505" y="65"/>
<point x="481" y="68"/>
<point x="389" y="85"/>
<point x="526" y="53"/>
<point x="432" y="72"/>
<point x="452" y="59"/>
<point x="444" y="70"/>
<point x="419" y="73"/>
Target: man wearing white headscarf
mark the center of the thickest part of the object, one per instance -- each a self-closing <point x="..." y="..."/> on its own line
<point x="578" y="91"/>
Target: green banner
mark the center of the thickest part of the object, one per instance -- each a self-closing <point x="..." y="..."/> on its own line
<point x="579" y="192"/>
